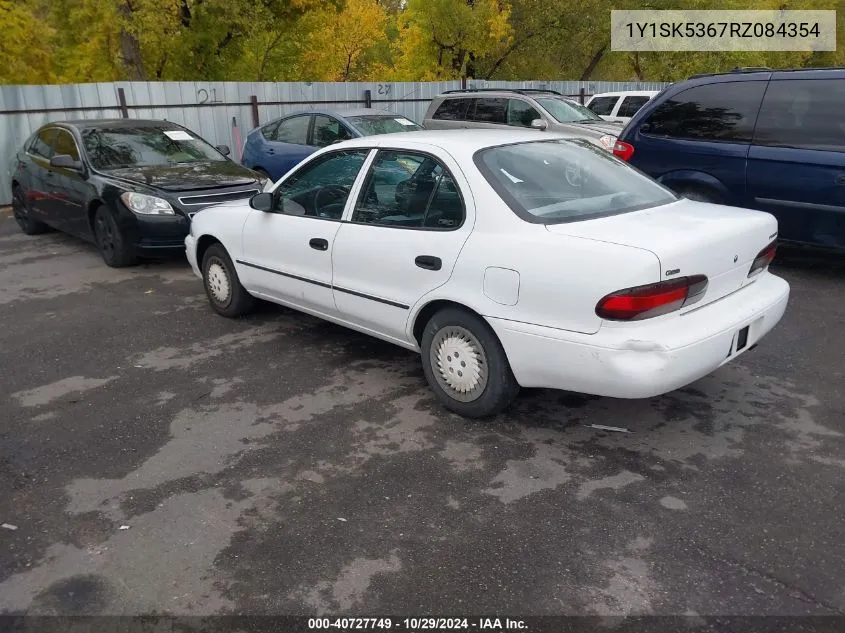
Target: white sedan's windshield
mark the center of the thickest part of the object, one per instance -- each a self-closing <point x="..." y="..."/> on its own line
<point x="566" y="180"/>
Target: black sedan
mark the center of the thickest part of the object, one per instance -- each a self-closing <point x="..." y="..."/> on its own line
<point x="131" y="186"/>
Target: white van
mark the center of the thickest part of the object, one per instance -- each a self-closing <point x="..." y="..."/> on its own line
<point x="619" y="106"/>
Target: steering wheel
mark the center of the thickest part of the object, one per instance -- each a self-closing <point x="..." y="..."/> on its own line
<point x="339" y="191"/>
<point x="574" y="174"/>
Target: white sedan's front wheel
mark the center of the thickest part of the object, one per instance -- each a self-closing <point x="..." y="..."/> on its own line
<point x="465" y="364"/>
<point x="224" y="290"/>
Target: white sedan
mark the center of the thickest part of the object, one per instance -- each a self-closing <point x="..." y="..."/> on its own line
<point x="507" y="258"/>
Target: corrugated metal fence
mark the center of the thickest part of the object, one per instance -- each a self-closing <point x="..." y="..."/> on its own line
<point x="223" y="112"/>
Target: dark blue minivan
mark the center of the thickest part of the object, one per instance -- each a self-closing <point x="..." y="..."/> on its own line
<point x="772" y="140"/>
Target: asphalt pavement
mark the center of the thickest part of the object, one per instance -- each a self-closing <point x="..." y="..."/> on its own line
<point x="158" y="458"/>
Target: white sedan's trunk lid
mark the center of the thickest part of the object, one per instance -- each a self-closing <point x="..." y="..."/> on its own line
<point x="689" y="238"/>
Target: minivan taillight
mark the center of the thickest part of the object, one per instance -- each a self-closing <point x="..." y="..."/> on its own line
<point x="763" y="259"/>
<point x="623" y="150"/>
<point x="644" y="302"/>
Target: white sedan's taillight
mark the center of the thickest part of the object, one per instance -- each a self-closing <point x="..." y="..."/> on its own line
<point x="644" y="302"/>
<point x="763" y="259"/>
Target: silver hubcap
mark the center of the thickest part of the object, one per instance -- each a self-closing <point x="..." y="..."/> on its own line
<point x="459" y="363"/>
<point x="218" y="282"/>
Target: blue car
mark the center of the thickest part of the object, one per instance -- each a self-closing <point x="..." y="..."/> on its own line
<point x="276" y="147"/>
<point x="772" y="140"/>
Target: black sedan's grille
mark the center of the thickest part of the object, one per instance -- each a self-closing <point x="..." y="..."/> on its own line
<point x="194" y="203"/>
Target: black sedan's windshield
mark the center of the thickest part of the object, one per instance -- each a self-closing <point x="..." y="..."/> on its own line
<point x="372" y="125"/>
<point x="145" y="146"/>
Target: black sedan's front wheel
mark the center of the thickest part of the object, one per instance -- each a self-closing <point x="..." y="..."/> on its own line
<point x="20" y="209"/>
<point x="113" y="245"/>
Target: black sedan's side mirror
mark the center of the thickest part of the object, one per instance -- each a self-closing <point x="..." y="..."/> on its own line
<point x="262" y="202"/>
<point x="224" y="149"/>
<point x="65" y="161"/>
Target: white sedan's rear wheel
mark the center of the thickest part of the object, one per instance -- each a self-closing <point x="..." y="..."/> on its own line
<point x="465" y="364"/>
<point x="460" y="362"/>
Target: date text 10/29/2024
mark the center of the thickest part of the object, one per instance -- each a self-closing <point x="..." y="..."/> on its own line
<point x="490" y="625"/>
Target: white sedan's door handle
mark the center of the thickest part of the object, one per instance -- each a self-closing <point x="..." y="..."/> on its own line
<point x="429" y="262"/>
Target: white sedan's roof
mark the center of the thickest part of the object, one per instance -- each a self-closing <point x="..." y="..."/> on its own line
<point x="454" y="141"/>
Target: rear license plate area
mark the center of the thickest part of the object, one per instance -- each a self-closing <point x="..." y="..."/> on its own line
<point x="740" y="342"/>
<point x="742" y="339"/>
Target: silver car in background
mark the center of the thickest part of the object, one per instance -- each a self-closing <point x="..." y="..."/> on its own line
<point x="620" y="106"/>
<point x="531" y="108"/>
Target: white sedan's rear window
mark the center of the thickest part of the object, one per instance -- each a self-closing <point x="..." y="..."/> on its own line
<point x="550" y="182"/>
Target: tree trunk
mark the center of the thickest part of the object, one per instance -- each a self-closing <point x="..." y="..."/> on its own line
<point x="638" y="70"/>
<point x="594" y="61"/>
<point x="470" y="66"/>
<point x="161" y="66"/>
<point x="262" y="68"/>
<point x="130" y="49"/>
<point x="185" y="13"/>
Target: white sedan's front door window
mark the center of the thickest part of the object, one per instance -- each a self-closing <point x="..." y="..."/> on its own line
<point x="287" y="252"/>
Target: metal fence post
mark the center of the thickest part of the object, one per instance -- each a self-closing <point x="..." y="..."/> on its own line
<point x="124" y="109"/>
<point x="581" y="95"/>
<point x="254" y="102"/>
<point x="368" y="98"/>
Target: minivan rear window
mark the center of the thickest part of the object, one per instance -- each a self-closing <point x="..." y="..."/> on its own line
<point x="724" y="111"/>
<point x="631" y="105"/>
<point x="452" y="110"/>
<point x="803" y="113"/>
<point x="491" y="110"/>
<point x="603" y="106"/>
<point x="551" y="182"/>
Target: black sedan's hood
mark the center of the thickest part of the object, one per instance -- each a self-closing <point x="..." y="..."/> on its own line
<point x="184" y="177"/>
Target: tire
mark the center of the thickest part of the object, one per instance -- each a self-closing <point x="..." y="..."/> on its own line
<point x="698" y="194"/>
<point x="20" y="210"/>
<point x="117" y="252"/>
<point x="222" y="287"/>
<point x="450" y="333"/>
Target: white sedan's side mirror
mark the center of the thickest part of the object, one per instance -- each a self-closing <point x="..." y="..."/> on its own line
<point x="539" y="124"/>
<point x="262" y="201"/>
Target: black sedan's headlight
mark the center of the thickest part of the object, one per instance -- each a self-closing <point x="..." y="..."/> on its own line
<point x="143" y="204"/>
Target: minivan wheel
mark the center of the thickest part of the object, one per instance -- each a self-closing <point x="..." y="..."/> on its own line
<point x="465" y="364"/>
<point x="111" y="241"/>
<point x="698" y="194"/>
<point x="224" y="290"/>
<point x="20" y="210"/>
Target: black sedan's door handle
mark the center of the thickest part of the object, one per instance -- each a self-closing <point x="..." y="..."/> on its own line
<point x="429" y="262"/>
<point x="840" y="179"/>
<point x="319" y="243"/>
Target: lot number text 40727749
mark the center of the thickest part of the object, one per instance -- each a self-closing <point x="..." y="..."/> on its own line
<point x="490" y="625"/>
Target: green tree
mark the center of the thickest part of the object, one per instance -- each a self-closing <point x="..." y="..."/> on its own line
<point x="25" y="45"/>
<point x="444" y="39"/>
<point x="339" y="40"/>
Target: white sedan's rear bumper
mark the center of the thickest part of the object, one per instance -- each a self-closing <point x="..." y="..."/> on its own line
<point x="646" y="358"/>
